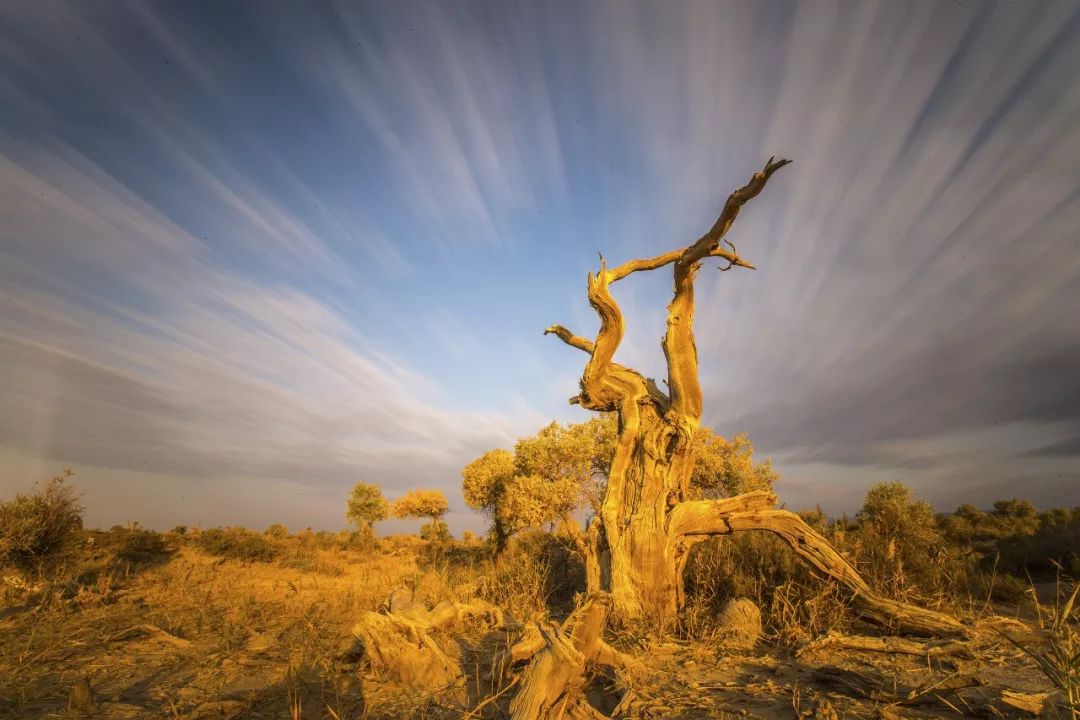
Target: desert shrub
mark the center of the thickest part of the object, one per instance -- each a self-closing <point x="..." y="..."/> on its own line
<point x="41" y="532"/>
<point x="1052" y="547"/>
<point x="815" y="518"/>
<point x="238" y="544"/>
<point x="401" y="544"/>
<point x="179" y="530"/>
<point x="325" y="540"/>
<point x="1015" y="539"/>
<point x="277" y="531"/>
<point x="898" y="545"/>
<point x="558" y="553"/>
<point x="435" y="531"/>
<point x="750" y="565"/>
<point x="360" y="540"/>
<point x="1003" y="587"/>
<point x="138" y="546"/>
<point x="969" y="525"/>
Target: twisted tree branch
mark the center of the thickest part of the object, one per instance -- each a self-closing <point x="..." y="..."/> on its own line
<point x="716" y="517"/>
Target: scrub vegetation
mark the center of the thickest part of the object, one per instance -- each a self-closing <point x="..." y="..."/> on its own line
<point x="232" y="622"/>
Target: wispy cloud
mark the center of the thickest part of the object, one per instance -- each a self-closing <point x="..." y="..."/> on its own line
<point x="296" y="248"/>
<point x="185" y="369"/>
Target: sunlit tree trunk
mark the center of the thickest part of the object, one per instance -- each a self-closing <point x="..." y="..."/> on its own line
<point x="647" y="524"/>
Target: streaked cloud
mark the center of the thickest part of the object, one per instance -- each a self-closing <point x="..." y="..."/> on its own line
<point x="249" y="247"/>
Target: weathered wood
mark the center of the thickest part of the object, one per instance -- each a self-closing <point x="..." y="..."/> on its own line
<point x="721" y="517"/>
<point x="400" y="644"/>
<point x="654" y="456"/>
<point x="888" y="644"/>
<point x="552" y="686"/>
<point x="153" y="632"/>
<point x="647" y="522"/>
<point x="1032" y="703"/>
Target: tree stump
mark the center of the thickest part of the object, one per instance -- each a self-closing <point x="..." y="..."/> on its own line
<point x="553" y="683"/>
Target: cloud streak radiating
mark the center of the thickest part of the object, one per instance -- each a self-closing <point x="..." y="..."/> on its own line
<point x="264" y="252"/>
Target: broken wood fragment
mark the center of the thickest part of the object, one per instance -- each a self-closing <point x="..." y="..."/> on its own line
<point x="400" y="643"/>
<point x="886" y="644"/>
<point x="152" y="632"/>
<point x="553" y="683"/>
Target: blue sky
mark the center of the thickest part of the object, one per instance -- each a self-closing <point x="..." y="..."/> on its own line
<point x="252" y="253"/>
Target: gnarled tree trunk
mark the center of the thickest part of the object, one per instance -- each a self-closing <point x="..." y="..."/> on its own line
<point x="647" y="524"/>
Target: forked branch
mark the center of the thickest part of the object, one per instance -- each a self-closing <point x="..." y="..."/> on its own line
<point x="709" y="243"/>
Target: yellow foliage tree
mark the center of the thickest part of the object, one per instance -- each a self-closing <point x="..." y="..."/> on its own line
<point x="483" y="484"/>
<point x="563" y="468"/>
<point x="423" y="504"/>
<point x="366" y="505"/>
<point x="726" y="468"/>
<point x="546" y="479"/>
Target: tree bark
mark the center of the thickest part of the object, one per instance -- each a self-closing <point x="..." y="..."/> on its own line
<point x="647" y="524"/>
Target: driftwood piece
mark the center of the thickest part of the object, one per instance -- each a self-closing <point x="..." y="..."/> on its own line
<point x="888" y="644"/>
<point x="400" y="644"/>
<point x="872" y="685"/>
<point x="1033" y="703"/>
<point x="152" y="632"/>
<point x="552" y="685"/>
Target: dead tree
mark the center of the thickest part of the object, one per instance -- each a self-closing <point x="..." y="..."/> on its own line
<point x="647" y="524"/>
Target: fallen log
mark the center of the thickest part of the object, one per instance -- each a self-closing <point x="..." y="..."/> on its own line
<point x="887" y="644"/>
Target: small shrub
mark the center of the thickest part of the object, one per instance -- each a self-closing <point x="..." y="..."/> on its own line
<point x="139" y="546"/>
<point x="1004" y="588"/>
<point x="435" y="531"/>
<point x="362" y="540"/>
<point x="41" y="533"/>
<point x="278" y="531"/>
<point x="238" y="544"/>
<point x="760" y="567"/>
<point x="180" y="530"/>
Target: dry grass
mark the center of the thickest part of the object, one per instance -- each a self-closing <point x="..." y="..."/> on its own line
<point x="265" y="634"/>
<point x="183" y="632"/>
<point x="1055" y="648"/>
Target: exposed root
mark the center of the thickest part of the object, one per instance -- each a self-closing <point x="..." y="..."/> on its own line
<point x="553" y="684"/>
